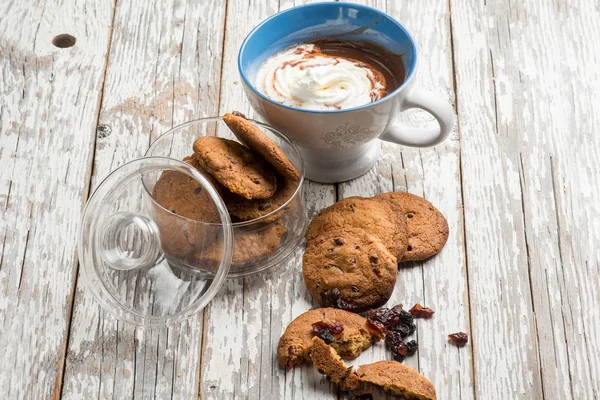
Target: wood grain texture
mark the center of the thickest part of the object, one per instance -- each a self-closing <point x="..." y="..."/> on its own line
<point x="433" y="173"/>
<point x="49" y="100"/>
<point x="526" y="166"/>
<point x="516" y="181"/>
<point x="164" y="69"/>
<point x="244" y="324"/>
<point x="502" y="313"/>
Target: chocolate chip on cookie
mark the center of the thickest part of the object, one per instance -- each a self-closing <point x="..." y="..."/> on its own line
<point x="349" y="269"/>
<point x="236" y="167"/>
<point x="257" y="140"/>
<point x="427" y="228"/>
<point x="376" y="216"/>
<point x="355" y="336"/>
<point x="397" y="379"/>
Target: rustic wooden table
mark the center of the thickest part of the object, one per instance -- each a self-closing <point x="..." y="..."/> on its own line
<point x="517" y="182"/>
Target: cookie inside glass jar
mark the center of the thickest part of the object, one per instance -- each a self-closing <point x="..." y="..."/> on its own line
<point x="258" y="183"/>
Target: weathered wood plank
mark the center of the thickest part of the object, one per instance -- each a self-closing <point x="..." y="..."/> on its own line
<point x="434" y="173"/>
<point x="556" y="171"/>
<point x="49" y="100"/>
<point x="164" y="69"/>
<point x="503" y="327"/>
<point x="523" y="177"/>
<point x="244" y="324"/>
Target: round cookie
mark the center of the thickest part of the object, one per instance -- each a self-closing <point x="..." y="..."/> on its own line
<point x="296" y="341"/>
<point x="247" y="210"/>
<point x="236" y="167"/>
<point x="249" y="246"/>
<point x="376" y="216"/>
<point x="257" y="140"/>
<point x="397" y="379"/>
<point x="427" y="228"/>
<point x="184" y="196"/>
<point x="349" y="269"/>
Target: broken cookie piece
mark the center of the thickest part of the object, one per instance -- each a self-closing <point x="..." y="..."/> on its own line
<point x="357" y="335"/>
<point x="397" y="379"/>
<point x="327" y="361"/>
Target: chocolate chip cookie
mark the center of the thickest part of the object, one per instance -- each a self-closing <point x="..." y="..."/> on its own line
<point x="427" y="228"/>
<point x="184" y="196"/>
<point x="236" y="167"/>
<point x="376" y="216"/>
<point x="397" y="379"/>
<point x="356" y="336"/>
<point x="247" y="210"/>
<point x="250" y="246"/>
<point x="349" y="269"/>
<point x="257" y="140"/>
<point x="327" y="361"/>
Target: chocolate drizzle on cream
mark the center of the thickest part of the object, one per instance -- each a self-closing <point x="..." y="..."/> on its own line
<point x="304" y="76"/>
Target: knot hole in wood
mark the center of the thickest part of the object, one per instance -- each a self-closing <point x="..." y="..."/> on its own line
<point x="64" y="40"/>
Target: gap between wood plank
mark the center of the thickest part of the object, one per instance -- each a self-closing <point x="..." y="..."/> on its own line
<point x="535" y="325"/>
<point x="462" y="197"/>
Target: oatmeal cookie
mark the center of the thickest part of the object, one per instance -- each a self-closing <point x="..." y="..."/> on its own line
<point x="236" y="167"/>
<point x="376" y="216"/>
<point x="349" y="269"/>
<point x="257" y="140"/>
<point x="426" y="226"/>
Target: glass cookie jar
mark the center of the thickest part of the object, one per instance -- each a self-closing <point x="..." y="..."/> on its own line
<point x="150" y="265"/>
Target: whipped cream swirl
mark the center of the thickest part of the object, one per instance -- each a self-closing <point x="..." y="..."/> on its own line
<point x="302" y="76"/>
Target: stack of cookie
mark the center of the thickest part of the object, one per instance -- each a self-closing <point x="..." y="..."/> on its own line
<point x="353" y="247"/>
<point x="254" y="178"/>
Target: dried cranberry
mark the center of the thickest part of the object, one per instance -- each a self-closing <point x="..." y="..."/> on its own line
<point x="348" y="305"/>
<point x="333" y="327"/>
<point x="459" y="338"/>
<point x="397" y="308"/>
<point x="393" y="339"/>
<point x="374" y="259"/>
<point x="400" y="351"/>
<point x="326" y="336"/>
<point x="326" y="330"/>
<point x="405" y="329"/>
<point x="412" y="347"/>
<point x="338" y="241"/>
<point x="377" y="326"/>
<point x="405" y="317"/>
<point x="329" y="297"/>
<point x="418" y="311"/>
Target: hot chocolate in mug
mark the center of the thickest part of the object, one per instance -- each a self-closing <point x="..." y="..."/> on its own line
<point x="339" y="145"/>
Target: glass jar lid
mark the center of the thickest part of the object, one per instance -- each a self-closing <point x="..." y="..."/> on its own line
<point x="144" y="257"/>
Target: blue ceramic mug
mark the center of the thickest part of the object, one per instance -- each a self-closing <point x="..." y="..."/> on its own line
<point x="339" y="145"/>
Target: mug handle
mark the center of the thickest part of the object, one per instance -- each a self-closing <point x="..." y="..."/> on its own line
<point x="401" y="133"/>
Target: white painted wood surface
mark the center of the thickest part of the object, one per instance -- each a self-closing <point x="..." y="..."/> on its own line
<point x="49" y="100"/>
<point x="516" y="181"/>
<point x="163" y="69"/>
